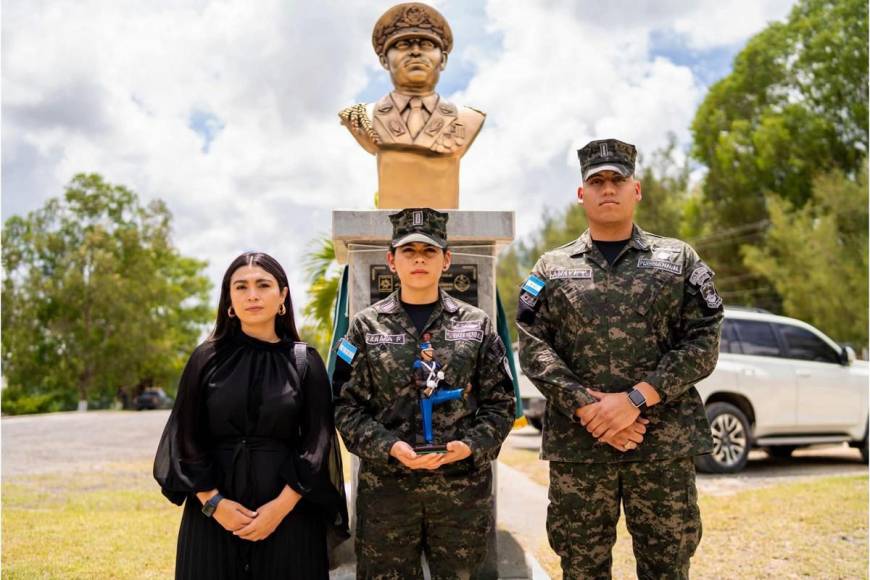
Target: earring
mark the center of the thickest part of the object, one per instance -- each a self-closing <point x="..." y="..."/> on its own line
<point x="230" y="312"/>
<point x="282" y="310"/>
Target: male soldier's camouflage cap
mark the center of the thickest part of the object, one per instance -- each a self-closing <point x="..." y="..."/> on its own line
<point x="419" y="224"/>
<point x="411" y="20"/>
<point x="607" y="155"/>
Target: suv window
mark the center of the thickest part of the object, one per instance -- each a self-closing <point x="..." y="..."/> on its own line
<point x="804" y="345"/>
<point x="729" y="342"/>
<point x="757" y="338"/>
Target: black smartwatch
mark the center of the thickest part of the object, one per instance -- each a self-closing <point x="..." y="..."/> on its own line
<point x="637" y="399"/>
<point x="210" y="506"/>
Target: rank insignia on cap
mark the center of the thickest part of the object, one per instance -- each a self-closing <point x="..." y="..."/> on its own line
<point x="533" y="285"/>
<point x="346" y="351"/>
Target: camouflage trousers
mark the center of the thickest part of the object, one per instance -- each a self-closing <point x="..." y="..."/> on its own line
<point x="398" y="518"/>
<point x="661" y="512"/>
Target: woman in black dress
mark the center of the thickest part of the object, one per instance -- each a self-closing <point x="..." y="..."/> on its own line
<point x="250" y="443"/>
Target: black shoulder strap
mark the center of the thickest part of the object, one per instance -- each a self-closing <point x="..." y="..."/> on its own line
<point x="300" y="351"/>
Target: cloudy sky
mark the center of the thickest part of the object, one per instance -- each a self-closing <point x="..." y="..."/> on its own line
<point x="227" y="109"/>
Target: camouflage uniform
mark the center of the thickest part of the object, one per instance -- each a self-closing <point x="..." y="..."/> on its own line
<point x="652" y="316"/>
<point x="401" y="512"/>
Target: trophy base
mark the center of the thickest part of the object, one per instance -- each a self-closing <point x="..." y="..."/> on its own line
<point x="428" y="449"/>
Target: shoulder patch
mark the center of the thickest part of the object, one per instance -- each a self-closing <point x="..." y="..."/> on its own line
<point x="450" y="305"/>
<point x="388" y="305"/>
<point x="702" y="278"/>
<point x="346" y="351"/>
<point x="533" y="285"/>
<point x="700" y="274"/>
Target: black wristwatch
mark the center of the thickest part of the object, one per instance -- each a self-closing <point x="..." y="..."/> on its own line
<point x="210" y="506"/>
<point x="637" y="399"/>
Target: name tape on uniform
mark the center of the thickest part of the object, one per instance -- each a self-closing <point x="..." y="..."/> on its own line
<point x="454" y="335"/>
<point x="533" y="285"/>
<point x="346" y="351"/>
<point x="665" y="265"/>
<point x="374" y="338"/>
<point x="571" y="273"/>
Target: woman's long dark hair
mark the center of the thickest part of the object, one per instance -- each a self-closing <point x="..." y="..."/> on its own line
<point x="285" y="324"/>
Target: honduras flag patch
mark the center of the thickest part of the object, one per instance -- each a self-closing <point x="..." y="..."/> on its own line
<point x="533" y="285"/>
<point x="346" y="351"/>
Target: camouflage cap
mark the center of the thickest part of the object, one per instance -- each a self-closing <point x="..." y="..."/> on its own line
<point x="411" y="20"/>
<point x="607" y="155"/>
<point x="419" y="224"/>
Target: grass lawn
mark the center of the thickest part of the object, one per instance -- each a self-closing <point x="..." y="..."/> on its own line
<point x="115" y="524"/>
<point x="810" y="529"/>
<point x="106" y="524"/>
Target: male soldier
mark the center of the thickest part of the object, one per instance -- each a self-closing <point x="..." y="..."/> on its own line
<point x="417" y="136"/>
<point x="615" y="329"/>
<point x="408" y="503"/>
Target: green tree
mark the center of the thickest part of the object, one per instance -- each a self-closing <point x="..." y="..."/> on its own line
<point x="665" y="189"/>
<point x="324" y="276"/>
<point x="95" y="298"/>
<point x="793" y="107"/>
<point x="815" y="256"/>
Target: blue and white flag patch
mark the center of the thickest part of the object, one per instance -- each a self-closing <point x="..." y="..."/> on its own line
<point x="533" y="285"/>
<point x="346" y="351"/>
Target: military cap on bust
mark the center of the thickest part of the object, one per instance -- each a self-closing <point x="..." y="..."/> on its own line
<point x="419" y="224"/>
<point x="607" y="155"/>
<point x="411" y="20"/>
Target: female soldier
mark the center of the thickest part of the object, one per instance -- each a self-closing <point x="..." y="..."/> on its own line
<point x="250" y="442"/>
<point x="408" y="501"/>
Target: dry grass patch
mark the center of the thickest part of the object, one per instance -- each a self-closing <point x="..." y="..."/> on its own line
<point x="815" y="528"/>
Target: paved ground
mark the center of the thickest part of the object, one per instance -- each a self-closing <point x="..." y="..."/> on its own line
<point x="62" y="442"/>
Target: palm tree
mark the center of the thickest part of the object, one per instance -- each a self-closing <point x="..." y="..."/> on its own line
<point x="323" y="275"/>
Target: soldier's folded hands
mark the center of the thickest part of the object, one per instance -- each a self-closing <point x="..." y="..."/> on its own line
<point x="611" y="414"/>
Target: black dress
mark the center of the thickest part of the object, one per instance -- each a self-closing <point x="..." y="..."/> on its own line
<point x="243" y="424"/>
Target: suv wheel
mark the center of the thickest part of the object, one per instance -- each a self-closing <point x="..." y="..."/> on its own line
<point x="536" y="422"/>
<point x="730" y="430"/>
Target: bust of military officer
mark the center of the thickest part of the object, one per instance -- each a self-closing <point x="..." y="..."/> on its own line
<point x="417" y="137"/>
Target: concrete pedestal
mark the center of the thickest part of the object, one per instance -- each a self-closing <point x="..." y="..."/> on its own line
<point x="474" y="238"/>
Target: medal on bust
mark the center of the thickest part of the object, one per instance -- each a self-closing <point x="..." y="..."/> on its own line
<point x="429" y="378"/>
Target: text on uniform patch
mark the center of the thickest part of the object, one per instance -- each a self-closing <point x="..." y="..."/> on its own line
<point x="375" y="338"/>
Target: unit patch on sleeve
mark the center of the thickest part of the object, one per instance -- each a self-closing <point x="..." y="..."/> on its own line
<point x="702" y="278"/>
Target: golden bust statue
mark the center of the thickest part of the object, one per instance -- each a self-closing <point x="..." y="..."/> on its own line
<point x="417" y="137"/>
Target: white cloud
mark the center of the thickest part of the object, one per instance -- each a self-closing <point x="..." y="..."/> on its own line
<point x="110" y="86"/>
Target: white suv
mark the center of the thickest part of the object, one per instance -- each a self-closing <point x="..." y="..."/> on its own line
<point x="780" y="384"/>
